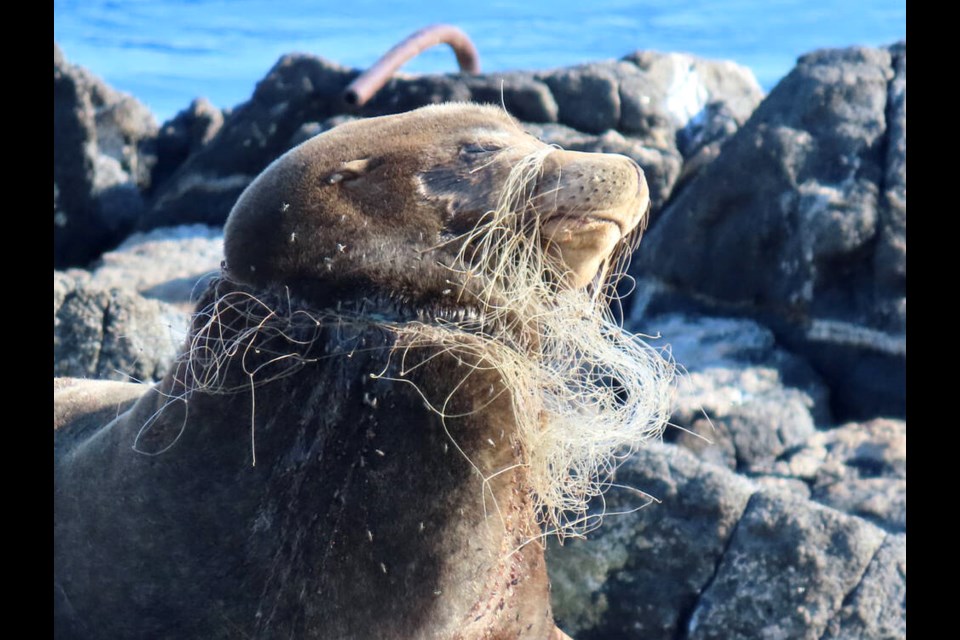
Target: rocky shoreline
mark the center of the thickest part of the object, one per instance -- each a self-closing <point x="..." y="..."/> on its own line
<point x="774" y="265"/>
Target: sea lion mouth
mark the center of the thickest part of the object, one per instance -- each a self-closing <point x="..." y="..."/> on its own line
<point x="584" y="222"/>
<point x="595" y="201"/>
<point x="584" y="240"/>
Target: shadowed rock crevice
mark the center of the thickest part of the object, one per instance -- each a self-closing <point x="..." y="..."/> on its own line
<point x="803" y="558"/>
<point x="890" y="259"/>
<point x="877" y="607"/>
<point x="104" y="329"/>
<point x="848" y="598"/>
<point x="686" y="614"/>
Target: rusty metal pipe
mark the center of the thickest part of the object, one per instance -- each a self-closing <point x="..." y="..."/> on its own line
<point x="370" y="81"/>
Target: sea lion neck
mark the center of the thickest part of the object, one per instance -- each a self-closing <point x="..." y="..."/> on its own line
<point x="318" y="299"/>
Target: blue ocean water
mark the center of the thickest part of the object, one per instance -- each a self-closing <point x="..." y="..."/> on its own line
<point x="167" y="52"/>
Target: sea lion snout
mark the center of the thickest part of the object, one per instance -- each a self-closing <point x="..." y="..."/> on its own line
<point x="603" y="184"/>
<point x="590" y="203"/>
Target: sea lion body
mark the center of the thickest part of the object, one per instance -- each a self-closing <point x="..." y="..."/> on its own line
<point x="360" y="519"/>
<point x="315" y="466"/>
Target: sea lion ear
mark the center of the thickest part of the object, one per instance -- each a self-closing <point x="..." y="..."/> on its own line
<point x="352" y="169"/>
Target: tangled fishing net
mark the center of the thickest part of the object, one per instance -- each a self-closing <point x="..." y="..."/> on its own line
<point x="585" y="393"/>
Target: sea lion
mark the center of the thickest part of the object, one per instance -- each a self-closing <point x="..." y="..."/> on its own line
<point x="405" y="375"/>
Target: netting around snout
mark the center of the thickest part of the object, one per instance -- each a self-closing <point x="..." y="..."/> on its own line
<point x="585" y="392"/>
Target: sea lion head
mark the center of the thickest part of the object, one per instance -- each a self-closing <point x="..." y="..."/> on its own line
<point x="388" y="204"/>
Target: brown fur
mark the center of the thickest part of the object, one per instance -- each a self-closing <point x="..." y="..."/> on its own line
<point x="316" y="465"/>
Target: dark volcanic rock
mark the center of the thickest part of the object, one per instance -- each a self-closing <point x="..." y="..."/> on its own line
<point x="721" y="556"/>
<point x="588" y="96"/>
<point x="684" y="100"/>
<point x="99" y="165"/>
<point x="170" y="264"/>
<point x="637" y="574"/>
<point x="524" y="96"/>
<point x="882" y="501"/>
<point x="405" y="93"/>
<point x="801" y="222"/>
<point x="665" y="99"/>
<point x="785" y="572"/>
<point x="702" y="343"/>
<point x="859" y="468"/>
<point x="742" y="401"/>
<point x="678" y="108"/>
<point x="742" y="418"/>
<point x="112" y="334"/>
<point x="187" y="133"/>
<point x="298" y="89"/>
<point x="877" y="608"/>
